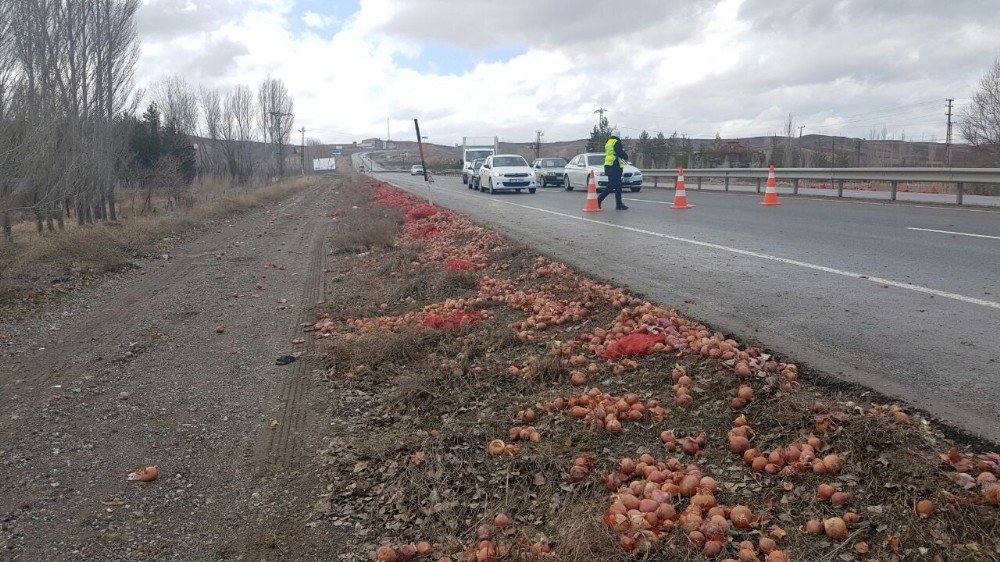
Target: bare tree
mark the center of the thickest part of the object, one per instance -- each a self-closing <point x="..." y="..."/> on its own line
<point x="275" y="118"/>
<point x="179" y="104"/>
<point x="981" y="118"/>
<point x="238" y="131"/>
<point x="789" y="131"/>
<point x="66" y="71"/>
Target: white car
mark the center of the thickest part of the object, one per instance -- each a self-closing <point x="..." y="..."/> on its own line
<point x="416" y="170"/>
<point x="576" y="172"/>
<point x="506" y="172"/>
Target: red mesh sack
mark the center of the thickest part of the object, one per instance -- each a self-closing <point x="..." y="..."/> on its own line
<point x="632" y="345"/>
<point x="459" y="265"/>
<point x="421" y="212"/>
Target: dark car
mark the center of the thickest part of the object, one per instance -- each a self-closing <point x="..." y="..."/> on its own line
<point x="548" y="171"/>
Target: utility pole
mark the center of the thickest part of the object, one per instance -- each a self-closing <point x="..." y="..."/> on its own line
<point x="947" y="142"/>
<point x="600" y="111"/>
<point x="859" y="153"/>
<point x="802" y="155"/>
<point x="538" y="144"/>
<point x="302" y="154"/>
<point x="833" y="150"/>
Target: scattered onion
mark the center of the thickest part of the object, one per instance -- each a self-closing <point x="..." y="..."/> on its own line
<point x="814" y="527"/>
<point x="501" y="521"/>
<point x="767" y="545"/>
<point x="924" y="508"/>
<point x="835" y="528"/>
<point x="496" y="447"/>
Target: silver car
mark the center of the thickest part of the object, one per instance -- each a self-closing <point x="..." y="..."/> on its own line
<point x="548" y="171"/>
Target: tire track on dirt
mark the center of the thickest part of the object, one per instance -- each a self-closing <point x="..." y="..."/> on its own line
<point x="285" y="441"/>
<point x="103" y="325"/>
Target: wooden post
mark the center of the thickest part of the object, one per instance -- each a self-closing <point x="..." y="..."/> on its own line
<point x="959" y="188"/>
<point x="795" y="186"/>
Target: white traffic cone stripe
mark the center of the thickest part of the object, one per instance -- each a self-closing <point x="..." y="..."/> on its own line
<point x="681" y="193"/>
<point x="591" y="195"/>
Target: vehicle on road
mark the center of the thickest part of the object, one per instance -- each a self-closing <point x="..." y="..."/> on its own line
<point x="548" y="171"/>
<point x="473" y="182"/>
<point x="576" y="172"/>
<point x="474" y="148"/>
<point x="506" y="172"/>
<point x="417" y="170"/>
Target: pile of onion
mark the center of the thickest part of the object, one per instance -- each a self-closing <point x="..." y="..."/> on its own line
<point x="605" y="412"/>
<point x="798" y="458"/>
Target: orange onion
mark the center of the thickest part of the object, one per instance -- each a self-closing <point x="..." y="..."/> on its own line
<point x="741" y="516"/>
<point x="814" y="527"/>
<point x="924" y="508"/>
<point x="778" y="556"/>
<point x="385" y="554"/>
<point x="767" y="545"/>
<point x="835" y="528"/>
<point x="501" y="521"/>
<point x="824" y="492"/>
<point x="496" y="447"/>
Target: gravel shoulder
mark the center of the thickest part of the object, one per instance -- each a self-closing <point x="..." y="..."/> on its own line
<point x="227" y="427"/>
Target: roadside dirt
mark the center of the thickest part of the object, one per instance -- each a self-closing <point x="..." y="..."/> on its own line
<point x="228" y="428"/>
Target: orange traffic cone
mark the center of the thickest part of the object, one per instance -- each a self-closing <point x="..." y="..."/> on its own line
<point x="771" y="191"/>
<point x="680" y="194"/>
<point x="592" y="206"/>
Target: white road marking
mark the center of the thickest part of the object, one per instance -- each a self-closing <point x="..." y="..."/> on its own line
<point x="950" y="232"/>
<point x="787" y="261"/>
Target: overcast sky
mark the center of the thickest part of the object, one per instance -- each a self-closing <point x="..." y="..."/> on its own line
<point x="509" y="68"/>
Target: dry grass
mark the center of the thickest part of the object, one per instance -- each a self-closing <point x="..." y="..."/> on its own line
<point x="36" y="263"/>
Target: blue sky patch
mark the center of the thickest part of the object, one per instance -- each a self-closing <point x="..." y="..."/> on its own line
<point x="442" y="58"/>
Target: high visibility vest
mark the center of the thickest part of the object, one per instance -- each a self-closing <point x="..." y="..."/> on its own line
<point x="609" y="154"/>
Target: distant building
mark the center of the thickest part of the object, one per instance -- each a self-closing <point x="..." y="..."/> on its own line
<point x="374" y="144"/>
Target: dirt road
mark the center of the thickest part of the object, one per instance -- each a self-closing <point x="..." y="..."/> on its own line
<point x="227" y="426"/>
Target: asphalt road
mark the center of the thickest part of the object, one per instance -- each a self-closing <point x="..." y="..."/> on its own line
<point x="903" y="299"/>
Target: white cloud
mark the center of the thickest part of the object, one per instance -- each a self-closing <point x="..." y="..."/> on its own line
<point x="318" y="21"/>
<point x="733" y="66"/>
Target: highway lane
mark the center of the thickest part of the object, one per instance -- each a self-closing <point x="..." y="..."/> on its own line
<point x="922" y="326"/>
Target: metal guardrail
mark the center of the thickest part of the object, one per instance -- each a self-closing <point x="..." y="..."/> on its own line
<point x="957" y="176"/>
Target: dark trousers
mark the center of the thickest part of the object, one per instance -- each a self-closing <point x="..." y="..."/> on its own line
<point x="614" y="174"/>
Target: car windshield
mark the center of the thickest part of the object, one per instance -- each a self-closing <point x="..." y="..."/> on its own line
<point x="553" y="163"/>
<point x="509" y="161"/>
<point x="471" y="155"/>
<point x="595" y="160"/>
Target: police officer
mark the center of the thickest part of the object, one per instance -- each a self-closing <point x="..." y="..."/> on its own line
<point x="614" y="163"/>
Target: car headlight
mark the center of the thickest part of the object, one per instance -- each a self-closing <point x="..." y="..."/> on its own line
<point x="496" y="174"/>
